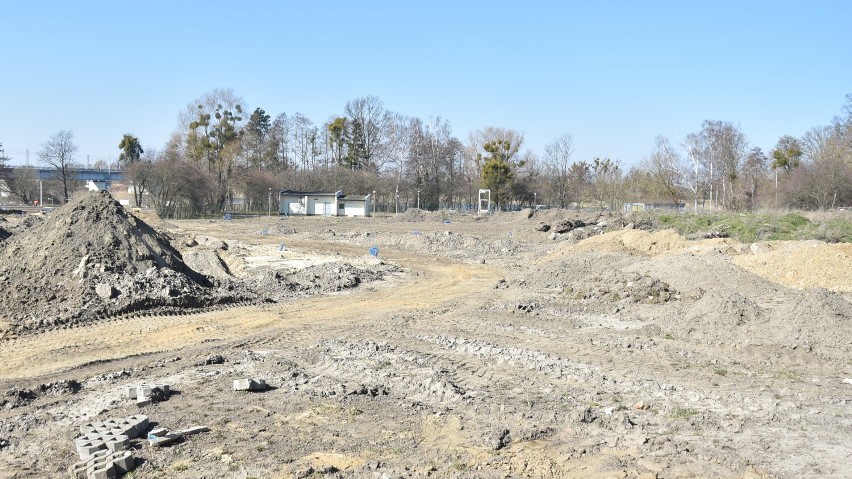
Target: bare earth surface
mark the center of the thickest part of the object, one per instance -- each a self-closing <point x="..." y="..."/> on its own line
<point x="469" y="348"/>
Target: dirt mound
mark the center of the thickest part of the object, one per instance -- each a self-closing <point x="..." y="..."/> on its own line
<point x="635" y="242"/>
<point x="693" y="274"/>
<point x="417" y="215"/>
<point x="801" y="264"/>
<point x="820" y="321"/>
<point x="319" y="278"/>
<point x="91" y="258"/>
<point x="819" y="318"/>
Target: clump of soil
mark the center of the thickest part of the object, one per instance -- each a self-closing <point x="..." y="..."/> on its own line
<point x="323" y="278"/>
<point x="618" y="286"/>
<point x="89" y="259"/>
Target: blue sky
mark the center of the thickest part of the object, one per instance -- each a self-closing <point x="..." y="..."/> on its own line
<point x="614" y="75"/>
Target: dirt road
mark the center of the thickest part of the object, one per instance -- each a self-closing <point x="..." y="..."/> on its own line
<point x="426" y="284"/>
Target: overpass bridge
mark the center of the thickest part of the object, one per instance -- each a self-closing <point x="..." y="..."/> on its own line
<point x="102" y="178"/>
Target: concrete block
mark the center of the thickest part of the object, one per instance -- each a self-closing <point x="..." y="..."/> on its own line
<point x="87" y="449"/>
<point x="101" y="471"/>
<point x="143" y="391"/>
<point x="99" y="454"/>
<point x="110" y="423"/>
<point x="78" y="469"/>
<point x="142" y="402"/>
<point x="164" y="440"/>
<point x="249" y="385"/>
<point x="124" y="462"/>
<point x="140" y="425"/>
<point x="157" y="432"/>
<point x="194" y="430"/>
<point x="130" y="392"/>
<point x="117" y="443"/>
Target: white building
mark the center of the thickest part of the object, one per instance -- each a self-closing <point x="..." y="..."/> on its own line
<point x="323" y="204"/>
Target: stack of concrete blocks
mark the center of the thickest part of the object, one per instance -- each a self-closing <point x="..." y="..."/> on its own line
<point x="249" y="385"/>
<point x="144" y="394"/>
<point x="103" y="447"/>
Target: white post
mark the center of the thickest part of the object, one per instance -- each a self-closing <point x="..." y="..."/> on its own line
<point x="269" y="207"/>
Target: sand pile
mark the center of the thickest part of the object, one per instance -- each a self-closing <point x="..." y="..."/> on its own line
<point x="417" y="215"/>
<point x="91" y="258"/>
<point x="801" y="264"/>
<point x="819" y="320"/>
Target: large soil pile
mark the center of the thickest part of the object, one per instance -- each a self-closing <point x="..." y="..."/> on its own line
<point x="91" y="258"/>
<point x="801" y="264"/>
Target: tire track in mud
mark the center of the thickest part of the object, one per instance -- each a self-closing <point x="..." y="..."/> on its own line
<point x="430" y="283"/>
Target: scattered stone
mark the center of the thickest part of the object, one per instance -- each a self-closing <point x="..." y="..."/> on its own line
<point x="543" y="227"/>
<point x="61" y="387"/>
<point x="641" y="405"/>
<point x="105" y="291"/>
<point x="249" y="385"/>
<point x="214" y="359"/>
<point x="500" y="439"/>
<point x="587" y="416"/>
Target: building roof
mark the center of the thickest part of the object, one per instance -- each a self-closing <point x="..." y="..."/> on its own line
<point x="310" y="193"/>
<point x="354" y="197"/>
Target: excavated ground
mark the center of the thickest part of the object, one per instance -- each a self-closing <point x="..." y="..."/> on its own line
<point x="549" y="345"/>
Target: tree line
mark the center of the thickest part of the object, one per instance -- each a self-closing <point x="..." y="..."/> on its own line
<point x="223" y="157"/>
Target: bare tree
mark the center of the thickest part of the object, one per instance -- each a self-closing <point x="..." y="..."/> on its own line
<point x="4" y="160"/>
<point x="402" y="138"/>
<point x="754" y="173"/>
<point x="696" y="180"/>
<point x="303" y="140"/>
<point x="24" y="184"/>
<point x="606" y="177"/>
<point x="58" y="152"/>
<point x="367" y="117"/>
<point x="557" y="158"/>
<point x="721" y="148"/>
<point x="140" y="173"/>
<point x="279" y="143"/>
<point x="664" y="164"/>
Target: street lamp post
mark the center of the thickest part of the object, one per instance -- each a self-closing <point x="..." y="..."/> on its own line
<point x="418" y="199"/>
<point x="535" y="201"/>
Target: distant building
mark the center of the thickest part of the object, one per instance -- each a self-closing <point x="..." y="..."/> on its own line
<point x="315" y="203"/>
